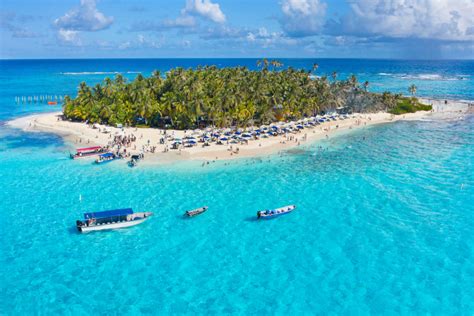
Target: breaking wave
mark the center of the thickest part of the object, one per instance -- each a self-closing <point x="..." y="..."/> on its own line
<point x="425" y="76"/>
<point x="83" y="73"/>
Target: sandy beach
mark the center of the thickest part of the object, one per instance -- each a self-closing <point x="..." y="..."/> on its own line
<point x="83" y="135"/>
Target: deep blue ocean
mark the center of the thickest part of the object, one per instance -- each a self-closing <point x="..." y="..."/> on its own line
<point x="384" y="220"/>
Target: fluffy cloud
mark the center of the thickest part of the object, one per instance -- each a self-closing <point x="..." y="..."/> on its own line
<point x="426" y="19"/>
<point x="86" y="17"/>
<point x="267" y="39"/>
<point x="302" y="17"/>
<point x="205" y="9"/>
<point x="69" y="37"/>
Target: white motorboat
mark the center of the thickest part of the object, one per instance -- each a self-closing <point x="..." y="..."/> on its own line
<point x="268" y="214"/>
<point x="113" y="219"/>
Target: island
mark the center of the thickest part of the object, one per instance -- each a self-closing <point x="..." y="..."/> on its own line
<point x="210" y="113"/>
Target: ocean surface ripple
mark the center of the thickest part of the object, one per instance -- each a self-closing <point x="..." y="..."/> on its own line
<point x="383" y="225"/>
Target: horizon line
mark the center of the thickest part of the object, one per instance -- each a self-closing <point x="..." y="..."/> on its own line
<point x="200" y="58"/>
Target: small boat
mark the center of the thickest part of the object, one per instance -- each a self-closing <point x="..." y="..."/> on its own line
<point x="107" y="157"/>
<point x="52" y="102"/>
<point x="112" y="219"/>
<point x="134" y="160"/>
<point x="196" y="211"/>
<point x="268" y="214"/>
<point x="87" y="152"/>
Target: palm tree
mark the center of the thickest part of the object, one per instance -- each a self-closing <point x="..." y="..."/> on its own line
<point x="366" y="86"/>
<point x="412" y="89"/>
<point x="221" y="97"/>
<point x="353" y="81"/>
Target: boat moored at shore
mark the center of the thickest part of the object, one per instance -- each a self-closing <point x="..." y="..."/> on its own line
<point x="268" y="214"/>
<point x="87" y="152"/>
<point x="134" y="159"/>
<point x="107" y="157"/>
<point x="112" y="219"/>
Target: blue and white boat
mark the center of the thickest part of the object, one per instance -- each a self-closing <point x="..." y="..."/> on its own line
<point x="268" y="214"/>
<point x="107" y="157"/>
<point x="112" y="219"/>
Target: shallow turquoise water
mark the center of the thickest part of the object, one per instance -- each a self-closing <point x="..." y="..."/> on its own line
<point x="384" y="222"/>
<point x="383" y="225"/>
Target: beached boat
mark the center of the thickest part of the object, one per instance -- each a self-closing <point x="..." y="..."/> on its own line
<point x="196" y="211"/>
<point x="268" y="214"/>
<point x="107" y="157"/>
<point x="113" y="219"/>
<point x="87" y="152"/>
<point x="134" y="160"/>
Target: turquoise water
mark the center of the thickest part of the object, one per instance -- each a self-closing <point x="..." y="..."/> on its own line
<point x="383" y="224"/>
<point x="442" y="79"/>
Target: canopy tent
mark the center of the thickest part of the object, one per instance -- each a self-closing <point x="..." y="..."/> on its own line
<point x="80" y="150"/>
<point x="110" y="213"/>
<point x="107" y="155"/>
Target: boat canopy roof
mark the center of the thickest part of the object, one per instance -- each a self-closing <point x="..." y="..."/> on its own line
<point x="110" y="213"/>
<point x="107" y="155"/>
<point x="79" y="150"/>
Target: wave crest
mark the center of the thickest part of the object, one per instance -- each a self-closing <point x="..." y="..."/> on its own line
<point x="85" y="73"/>
<point x="425" y="76"/>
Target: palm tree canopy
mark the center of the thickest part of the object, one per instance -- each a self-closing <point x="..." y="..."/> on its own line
<point x="217" y="96"/>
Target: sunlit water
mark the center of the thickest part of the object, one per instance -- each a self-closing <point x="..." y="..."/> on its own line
<point x="384" y="224"/>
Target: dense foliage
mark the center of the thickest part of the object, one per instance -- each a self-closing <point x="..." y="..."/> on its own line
<point x="188" y="98"/>
<point x="409" y="105"/>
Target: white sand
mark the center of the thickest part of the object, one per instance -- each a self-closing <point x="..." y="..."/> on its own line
<point x="82" y="135"/>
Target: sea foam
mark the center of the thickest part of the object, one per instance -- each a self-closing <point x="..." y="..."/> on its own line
<point x="83" y="73"/>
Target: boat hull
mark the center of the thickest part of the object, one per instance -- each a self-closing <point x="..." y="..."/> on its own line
<point x="111" y="226"/>
<point x="276" y="213"/>
<point x="196" y="211"/>
<point x="100" y="162"/>
<point x="76" y="156"/>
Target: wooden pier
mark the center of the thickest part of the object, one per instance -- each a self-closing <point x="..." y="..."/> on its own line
<point x="49" y="99"/>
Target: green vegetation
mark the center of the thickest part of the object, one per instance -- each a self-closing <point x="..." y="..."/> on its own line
<point x="409" y="105"/>
<point x="189" y="98"/>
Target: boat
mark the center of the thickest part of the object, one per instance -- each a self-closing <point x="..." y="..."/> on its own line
<point x="107" y="157"/>
<point x="87" y="152"/>
<point x="268" y="214"/>
<point x="196" y="211"/>
<point x="112" y="219"/>
<point x="52" y="102"/>
<point x="134" y="159"/>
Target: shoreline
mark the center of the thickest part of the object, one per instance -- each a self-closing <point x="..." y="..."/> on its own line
<point x="82" y="135"/>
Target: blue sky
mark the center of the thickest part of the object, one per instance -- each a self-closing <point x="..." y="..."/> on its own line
<point x="420" y="29"/>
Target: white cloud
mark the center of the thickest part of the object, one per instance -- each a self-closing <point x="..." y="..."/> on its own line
<point x="267" y="39"/>
<point x="125" y="45"/>
<point x="206" y="9"/>
<point x="146" y="42"/>
<point x="427" y="19"/>
<point x="86" y="17"/>
<point x="251" y="37"/>
<point x="181" y="21"/>
<point x="302" y="17"/>
<point x="69" y="37"/>
<point x="141" y="41"/>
